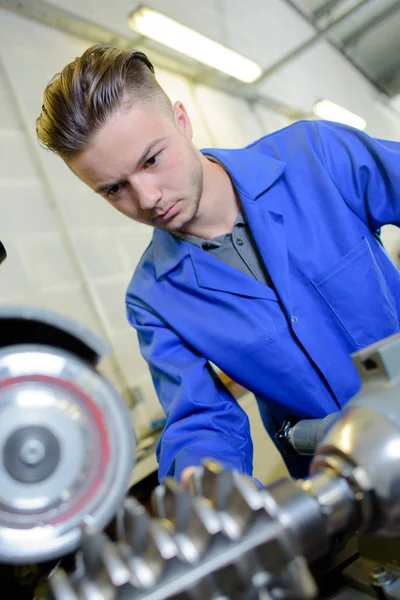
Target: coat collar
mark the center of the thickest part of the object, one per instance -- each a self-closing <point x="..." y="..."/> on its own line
<point x="252" y="173"/>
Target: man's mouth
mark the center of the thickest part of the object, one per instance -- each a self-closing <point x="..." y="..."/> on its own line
<point x="167" y="215"/>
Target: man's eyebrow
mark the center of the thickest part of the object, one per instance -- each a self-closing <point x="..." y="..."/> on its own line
<point x="144" y="154"/>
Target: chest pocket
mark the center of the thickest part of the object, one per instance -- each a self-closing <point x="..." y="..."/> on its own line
<point x="357" y="293"/>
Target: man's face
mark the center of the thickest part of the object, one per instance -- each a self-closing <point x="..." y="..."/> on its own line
<point x="143" y="163"/>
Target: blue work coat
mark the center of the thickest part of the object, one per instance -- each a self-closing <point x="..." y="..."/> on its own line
<point x="314" y="195"/>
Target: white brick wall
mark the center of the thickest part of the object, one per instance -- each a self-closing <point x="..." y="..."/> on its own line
<point x="177" y="88"/>
<point x="128" y="354"/>
<point x="131" y="243"/>
<point x="49" y="261"/>
<point x="230" y="119"/>
<point x="100" y="253"/>
<point x="26" y="199"/>
<point x="12" y="145"/>
<point x="15" y="282"/>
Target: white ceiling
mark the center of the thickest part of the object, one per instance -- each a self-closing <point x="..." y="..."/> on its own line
<point x="298" y="43"/>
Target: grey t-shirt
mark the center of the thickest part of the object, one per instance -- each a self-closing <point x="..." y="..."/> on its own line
<point x="236" y="249"/>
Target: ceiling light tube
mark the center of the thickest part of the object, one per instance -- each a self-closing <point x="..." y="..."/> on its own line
<point x="170" y="33"/>
<point x="325" y="109"/>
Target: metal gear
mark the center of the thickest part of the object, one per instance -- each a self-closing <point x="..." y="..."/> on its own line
<point x="222" y="544"/>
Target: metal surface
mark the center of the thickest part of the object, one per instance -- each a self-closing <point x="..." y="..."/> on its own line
<point x="66" y="451"/>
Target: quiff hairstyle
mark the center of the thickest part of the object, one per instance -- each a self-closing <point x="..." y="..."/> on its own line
<point x="88" y="91"/>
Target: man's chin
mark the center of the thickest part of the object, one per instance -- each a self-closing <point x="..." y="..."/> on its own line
<point x="172" y="228"/>
<point x="176" y="224"/>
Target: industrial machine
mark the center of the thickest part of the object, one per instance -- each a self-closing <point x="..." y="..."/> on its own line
<point x="66" y="456"/>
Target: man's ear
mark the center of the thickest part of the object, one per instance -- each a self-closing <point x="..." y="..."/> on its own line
<point x="182" y="120"/>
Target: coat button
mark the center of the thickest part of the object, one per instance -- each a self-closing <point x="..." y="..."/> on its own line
<point x="239" y="242"/>
<point x="294" y="319"/>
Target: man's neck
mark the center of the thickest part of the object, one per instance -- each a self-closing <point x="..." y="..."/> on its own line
<point x="219" y="203"/>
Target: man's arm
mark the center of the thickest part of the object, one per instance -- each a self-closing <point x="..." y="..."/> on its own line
<point x="365" y="170"/>
<point x="203" y="418"/>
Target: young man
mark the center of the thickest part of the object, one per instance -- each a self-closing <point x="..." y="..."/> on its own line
<point x="265" y="260"/>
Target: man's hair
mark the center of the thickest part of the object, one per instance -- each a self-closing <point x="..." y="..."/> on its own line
<point x="88" y="91"/>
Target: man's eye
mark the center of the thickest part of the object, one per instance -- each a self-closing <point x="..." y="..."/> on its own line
<point x="150" y="162"/>
<point x="114" y="190"/>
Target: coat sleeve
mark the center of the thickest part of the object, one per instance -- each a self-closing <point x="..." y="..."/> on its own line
<point x="203" y="419"/>
<point x="365" y="170"/>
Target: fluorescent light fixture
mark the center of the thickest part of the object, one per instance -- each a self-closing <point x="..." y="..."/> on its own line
<point x="169" y="32"/>
<point x="325" y="109"/>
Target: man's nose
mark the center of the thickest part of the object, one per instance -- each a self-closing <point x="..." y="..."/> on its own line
<point x="148" y="194"/>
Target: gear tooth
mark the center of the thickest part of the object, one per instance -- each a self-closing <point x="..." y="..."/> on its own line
<point x="178" y="503"/>
<point x="144" y="574"/>
<point x="90" y="590"/>
<point x="239" y="579"/>
<point x="60" y="587"/>
<point x="114" y="564"/>
<point x="147" y="568"/>
<point x="193" y="530"/>
<point x="101" y="556"/>
<point x="207" y="514"/>
<point x="195" y="539"/>
<point x="136" y="522"/>
<point x="119" y="523"/>
<point x="162" y="538"/>
<point x="241" y="506"/>
<point x="165" y="499"/>
<point x="172" y="499"/>
<point x="92" y="542"/>
<point x="206" y="481"/>
<point x="148" y="543"/>
<point x="217" y="483"/>
<point x="194" y="485"/>
<point x="158" y="501"/>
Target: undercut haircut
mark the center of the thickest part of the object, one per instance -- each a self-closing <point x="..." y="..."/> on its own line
<point x="89" y="91"/>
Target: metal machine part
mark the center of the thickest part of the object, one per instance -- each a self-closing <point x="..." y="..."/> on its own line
<point x="23" y="324"/>
<point x="66" y="451"/>
<point x="233" y="541"/>
<point x="305" y="435"/>
<point x="3" y="253"/>
<point x="228" y="539"/>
